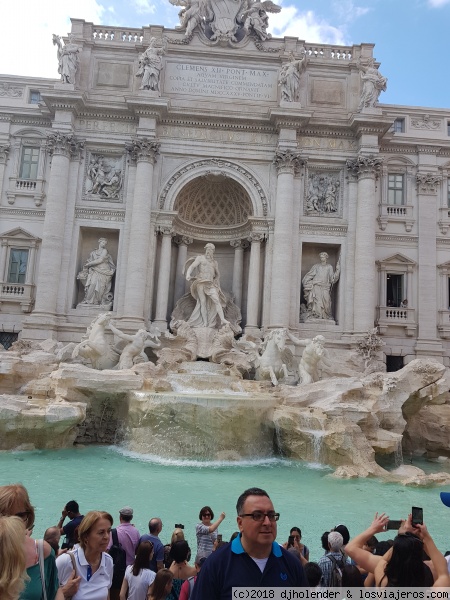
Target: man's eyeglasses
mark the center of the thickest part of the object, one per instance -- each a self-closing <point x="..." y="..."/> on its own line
<point x="259" y="516"/>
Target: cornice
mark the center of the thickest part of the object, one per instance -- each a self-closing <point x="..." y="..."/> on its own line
<point x="395" y="149"/>
<point x="100" y="214"/>
<point x="391" y="238"/>
<point x="22" y="212"/>
<point x="217" y="124"/>
<point x="318" y="229"/>
<point x="87" y="114"/>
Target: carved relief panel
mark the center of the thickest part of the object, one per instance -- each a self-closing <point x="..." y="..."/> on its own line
<point x="104" y="176"/>
<point x="323" y="192"/>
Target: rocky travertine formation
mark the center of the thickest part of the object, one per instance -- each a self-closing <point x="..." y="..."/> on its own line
<point x="206" y="410"/>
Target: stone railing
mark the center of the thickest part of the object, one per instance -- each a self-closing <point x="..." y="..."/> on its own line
<point x="117" y="34"/>
<point x="403" y="213"/>
<point x="388" y="316"/>
<point x="26" y="184"/>
<point x="329" y="52"/>
<point x="20" y="293"/>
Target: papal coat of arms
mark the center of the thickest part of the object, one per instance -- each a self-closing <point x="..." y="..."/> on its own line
<point x="226" y="20"/>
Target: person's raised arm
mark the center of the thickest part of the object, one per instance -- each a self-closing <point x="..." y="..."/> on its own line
<point x="215" y="525"/>
<point x="437" y="558"/>
<point x="355" y="550"/>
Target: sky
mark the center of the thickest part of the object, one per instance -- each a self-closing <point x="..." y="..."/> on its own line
<point x="411" y="37"/>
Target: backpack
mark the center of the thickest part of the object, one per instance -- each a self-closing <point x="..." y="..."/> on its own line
<point x="336" y="571"/>
<point x="119" y="557"/>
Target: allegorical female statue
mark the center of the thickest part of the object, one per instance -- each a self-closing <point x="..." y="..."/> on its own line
<point x="96" y="276"/>
<point x="317" y="285"/>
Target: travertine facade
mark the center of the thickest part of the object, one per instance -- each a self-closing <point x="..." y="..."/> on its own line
<point x="274" y="150"/>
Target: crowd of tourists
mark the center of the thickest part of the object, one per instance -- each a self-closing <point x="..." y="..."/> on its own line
<point x="86" y="557"/>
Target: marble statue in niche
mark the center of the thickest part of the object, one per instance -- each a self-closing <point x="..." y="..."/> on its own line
<point x="150" y="66"/>
<point x="317" y="287"/>
<point x="104" y="178"/>
<point x="323" y="194"/>
<point x="68" y="60"/>
<point x="96" y="277"/>
<point x="205" y="289"/>
<point x="289" y="77"/>
<point x="373" y="84"/>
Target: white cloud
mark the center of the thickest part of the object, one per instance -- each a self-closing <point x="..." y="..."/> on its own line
<point x="306" y="26"/>
<point x="144" y="6"/>
<point x="26" y="42"/>
<point x="438" y="3"/>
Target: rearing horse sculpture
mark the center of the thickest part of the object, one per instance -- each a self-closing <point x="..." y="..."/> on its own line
<point x="271" y="363"/>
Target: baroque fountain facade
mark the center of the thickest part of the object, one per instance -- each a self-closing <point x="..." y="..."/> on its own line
<point x="212" y="242"/>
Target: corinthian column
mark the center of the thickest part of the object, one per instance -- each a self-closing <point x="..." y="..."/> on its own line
<point x="287" y="162"/>
<point x="183" y="242"/>
<point x="162" y="291"/>
<point x="144" y="152"/>
<point x="61" y="147"/>
<point x="252" y="324"/>
<point x="427" y="189"/>
<point x="366" y="168"/>
<point x="238" y="270"/>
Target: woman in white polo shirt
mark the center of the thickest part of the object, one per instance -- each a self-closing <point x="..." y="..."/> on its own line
<point x="90" y="559"/>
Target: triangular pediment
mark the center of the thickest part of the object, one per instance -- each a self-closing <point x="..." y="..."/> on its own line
<point x="19" y="234"/>
<point x="396" y="259"/>
<point x="445" y="265"/>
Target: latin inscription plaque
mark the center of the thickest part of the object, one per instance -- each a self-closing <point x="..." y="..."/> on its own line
<point x="221" y="81"/>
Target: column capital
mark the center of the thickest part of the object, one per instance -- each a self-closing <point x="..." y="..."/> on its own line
<point x="4" y="152"/>
<point x="165" y="230"/>
<point x="239" y="244"/>
<point x="364" y="165"/>
<point x="288" y="160"/>
<point x="427" y="183"/>
<point x="64" y="144"/>
<point x="143" y="149"/>
<point x="256" y="237"/>
<point x="183" y="240"/>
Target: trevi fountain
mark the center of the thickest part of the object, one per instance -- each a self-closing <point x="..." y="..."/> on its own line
<point x="204" y="391"/>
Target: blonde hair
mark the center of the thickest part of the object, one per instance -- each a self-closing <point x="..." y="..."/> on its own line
<point x="12" y="557"/>
<point x="88" y="523"/>
<point x="177" y="535"/>
<point x="10" y="495"/>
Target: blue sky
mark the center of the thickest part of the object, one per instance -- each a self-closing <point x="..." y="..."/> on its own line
<point x="411" y="36"/>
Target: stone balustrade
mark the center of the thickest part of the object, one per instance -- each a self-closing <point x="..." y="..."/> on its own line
<point x="444" y="324"/>
<point x="329" y="52"/>
<point x="388" y="316"/>
<point x="26" y="184"/>
<point x="403" y="213"/>
<point x="19" y="293"/>
<point x="117" y="34"/>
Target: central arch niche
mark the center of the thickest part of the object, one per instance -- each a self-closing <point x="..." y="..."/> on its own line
<point x="214" y="201"/>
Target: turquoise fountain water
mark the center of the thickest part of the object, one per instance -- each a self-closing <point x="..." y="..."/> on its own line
<point x="306" y="496"/>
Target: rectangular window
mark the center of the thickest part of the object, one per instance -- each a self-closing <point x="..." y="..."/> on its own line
<point x="35" y="97"/>
<point x="396" y="189"/>
<point x="18" y="261"/>
<point x="398" y="126"/>
<point x="29" y="163"/>
<point x="448" y="127"/>
<point x="394" y="289"/>
<point x="448" y="192"/>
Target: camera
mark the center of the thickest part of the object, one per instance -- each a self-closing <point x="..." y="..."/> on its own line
<point x="179" y="526"/>
<point x="219" y="537"/>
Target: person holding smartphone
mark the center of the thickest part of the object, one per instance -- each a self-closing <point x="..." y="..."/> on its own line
<point x="402" y="565"/>
<point x="206" y="530"/>
<point x="294" y="541"/>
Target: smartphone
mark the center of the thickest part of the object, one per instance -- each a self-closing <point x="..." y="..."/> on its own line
<point x="417" y="515"/>
<point x="219" y="537"/>
<point x="290" y="540"/>
<point x="393" y="524"/>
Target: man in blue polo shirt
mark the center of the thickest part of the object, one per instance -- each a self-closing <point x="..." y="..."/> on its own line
<point x="254" y="558"/>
